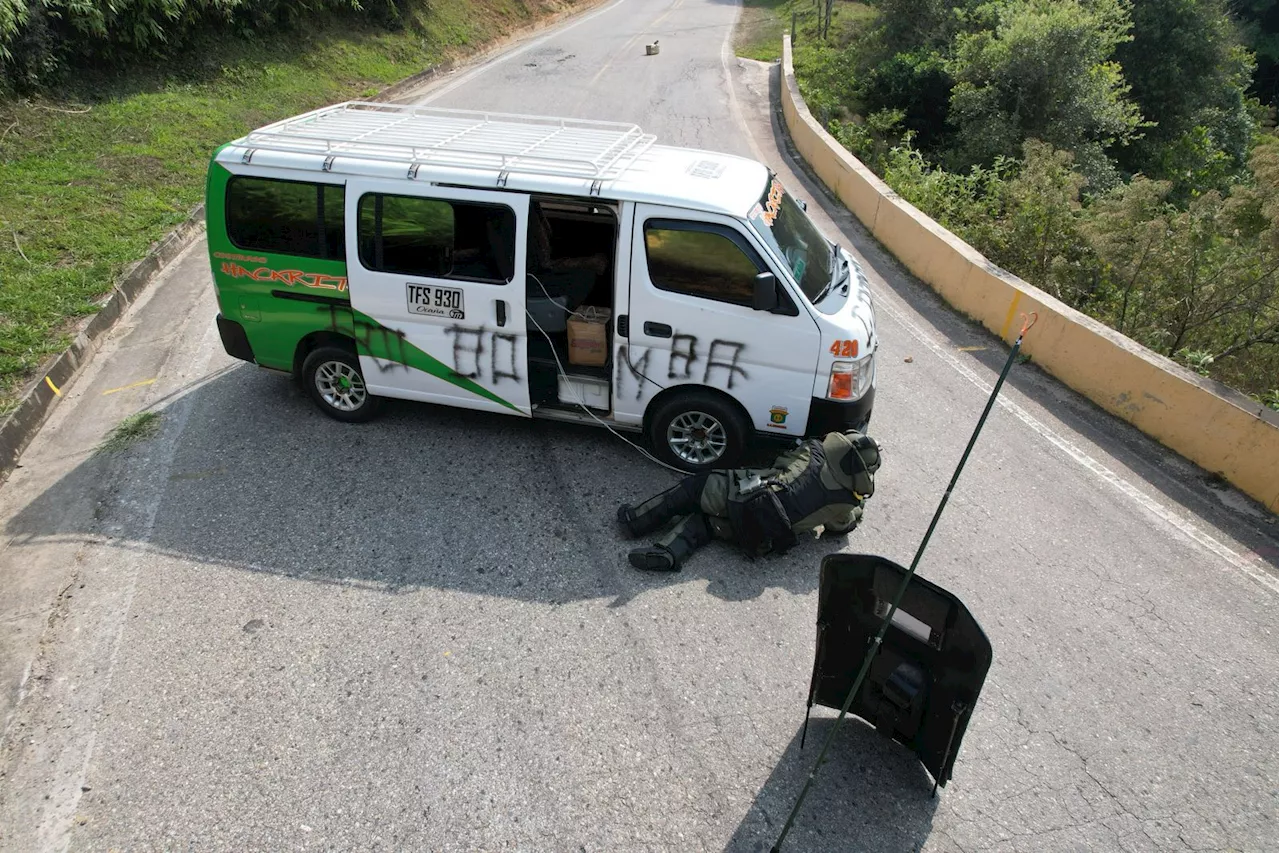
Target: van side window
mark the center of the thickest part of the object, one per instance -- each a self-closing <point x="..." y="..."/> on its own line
<point x="437" y="238"/>
<point x="701" y="259"/>
<point x="286" y="217"/>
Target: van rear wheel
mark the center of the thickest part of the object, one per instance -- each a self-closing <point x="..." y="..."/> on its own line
<point x="698" y="431"/>
<point x="333" y="378"/>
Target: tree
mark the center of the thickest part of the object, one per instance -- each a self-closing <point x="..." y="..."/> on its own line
<point x="902" y="63"/>
<point x="1257" y="20"/>
<point x="1197" y="284"/>
<point x="1188" y="74"/>
<point x="910" y="26"/>
<point x="40" y="38"/>
<point x="1045" y="71"/>
<point x="1039" y="231"/>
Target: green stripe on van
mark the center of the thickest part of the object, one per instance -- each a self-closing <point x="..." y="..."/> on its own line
<point x="378" y="341"/>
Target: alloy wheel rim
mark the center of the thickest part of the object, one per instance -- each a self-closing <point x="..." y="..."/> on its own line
<point x="341" y="386"/>
<point x="697" y="438"/>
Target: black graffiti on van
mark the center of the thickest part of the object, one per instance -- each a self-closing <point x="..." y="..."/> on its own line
<point x="718" y="366"/>
<point x="469" y="349"/>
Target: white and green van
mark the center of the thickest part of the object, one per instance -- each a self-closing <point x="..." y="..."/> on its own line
<point x="378" y="250"/>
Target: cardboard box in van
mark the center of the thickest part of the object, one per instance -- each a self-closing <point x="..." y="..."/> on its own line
<point x="589" y="336"/>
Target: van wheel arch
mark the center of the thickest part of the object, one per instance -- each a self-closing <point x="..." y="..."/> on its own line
<point x="314" y="341"/>
<point x="740" y="430"/>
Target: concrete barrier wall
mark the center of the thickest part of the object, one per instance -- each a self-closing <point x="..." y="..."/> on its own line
<point x="1218" y="428"/>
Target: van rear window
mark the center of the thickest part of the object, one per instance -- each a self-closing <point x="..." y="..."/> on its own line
<point x="286" y="217"/>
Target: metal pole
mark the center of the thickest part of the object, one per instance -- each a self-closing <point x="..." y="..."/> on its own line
<point x="902" y="589"/>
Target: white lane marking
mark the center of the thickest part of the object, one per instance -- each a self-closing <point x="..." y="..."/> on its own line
<point x="1241" y="563"/>
<point x="512" y="54"/>
<point x="726" y="53"/>
<point x="22" y="695"/>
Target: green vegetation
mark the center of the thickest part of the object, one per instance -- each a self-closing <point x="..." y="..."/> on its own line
<point x="1107" y="151"/>
<point x="137" y="427"/>
<point x="97" y="165"/>
<point x="760" y="27"/>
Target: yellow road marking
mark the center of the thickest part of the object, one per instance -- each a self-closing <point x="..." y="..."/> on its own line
<point x="605" y="67"/>
<point x="970" y="349"/>
<point x="127" y="387"/>
<point x="49" y="382"/>
<point x="623" y="50"/>
<point x="1008" y="320"/>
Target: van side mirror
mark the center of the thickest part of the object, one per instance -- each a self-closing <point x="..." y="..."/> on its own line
<point x="803" y="204"/>
<point x="765" y="296"/>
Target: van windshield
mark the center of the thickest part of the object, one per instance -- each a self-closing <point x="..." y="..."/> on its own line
<point x="781" y="223"/>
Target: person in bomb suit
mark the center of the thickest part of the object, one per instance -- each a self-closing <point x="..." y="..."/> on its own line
<point x="817" y="484"/>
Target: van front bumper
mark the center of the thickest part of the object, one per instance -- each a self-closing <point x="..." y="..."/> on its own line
<point x="826" y="416"/>
<point x="234" y="340"/>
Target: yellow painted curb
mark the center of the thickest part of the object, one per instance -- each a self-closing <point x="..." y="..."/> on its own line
<point x="1214" y="426"/>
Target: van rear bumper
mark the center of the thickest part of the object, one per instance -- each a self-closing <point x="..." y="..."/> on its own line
<point x="234" y="340"/>
<point x="838" y="416"/>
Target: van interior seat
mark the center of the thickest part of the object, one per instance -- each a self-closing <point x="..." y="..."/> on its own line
<point x="558" y="284"/>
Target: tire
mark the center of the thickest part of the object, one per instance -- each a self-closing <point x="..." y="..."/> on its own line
<point x="698" y="431"/>
<point x="332" y="377"/>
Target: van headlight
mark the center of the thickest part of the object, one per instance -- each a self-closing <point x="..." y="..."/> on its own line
<point x="850" y="380"/>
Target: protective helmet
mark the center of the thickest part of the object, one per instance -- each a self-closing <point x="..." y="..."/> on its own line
<point x="862" y="463"/>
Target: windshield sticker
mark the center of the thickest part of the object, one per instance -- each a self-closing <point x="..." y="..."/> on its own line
<point x="797" y="268"/>
<point x="773" y="205"/>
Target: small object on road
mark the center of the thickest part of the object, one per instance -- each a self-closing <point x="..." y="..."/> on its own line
<point x="651" y="49"/>
<point x="933" y="666"/>
<point x="820" y="483"/>
<point x="909" y="359"/>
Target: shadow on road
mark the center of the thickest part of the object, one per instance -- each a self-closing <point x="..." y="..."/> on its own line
<point x="870" y="795"/>
<point x="425" y="496"/>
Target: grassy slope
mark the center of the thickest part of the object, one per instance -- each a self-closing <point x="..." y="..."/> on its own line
<point x="760" y="29"/>
<point x="92" y="178"/>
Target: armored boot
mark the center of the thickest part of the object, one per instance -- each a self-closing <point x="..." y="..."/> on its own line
<point x="681" y="499"/>
<point x="690" y="534"/>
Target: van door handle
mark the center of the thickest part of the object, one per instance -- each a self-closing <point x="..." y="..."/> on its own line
<point x="502" y="311"/>
<point x="657" y="330"/>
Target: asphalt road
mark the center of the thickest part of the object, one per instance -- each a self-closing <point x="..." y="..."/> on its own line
<point x="261" y="629"/>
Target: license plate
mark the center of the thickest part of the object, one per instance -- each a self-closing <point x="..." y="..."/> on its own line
<point x="433" y="301"/>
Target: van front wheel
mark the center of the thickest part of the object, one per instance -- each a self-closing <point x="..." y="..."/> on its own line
<point x="333" y="379"/>
<point x="698" y="432"/>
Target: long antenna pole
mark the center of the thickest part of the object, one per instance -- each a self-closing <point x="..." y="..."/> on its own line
<point x="902" y="589"/>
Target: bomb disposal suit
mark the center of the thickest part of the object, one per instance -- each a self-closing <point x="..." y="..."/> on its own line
<point x="818" y="486"/>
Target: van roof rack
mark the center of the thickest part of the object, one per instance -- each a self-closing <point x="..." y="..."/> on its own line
<point x="464" y="139"/>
